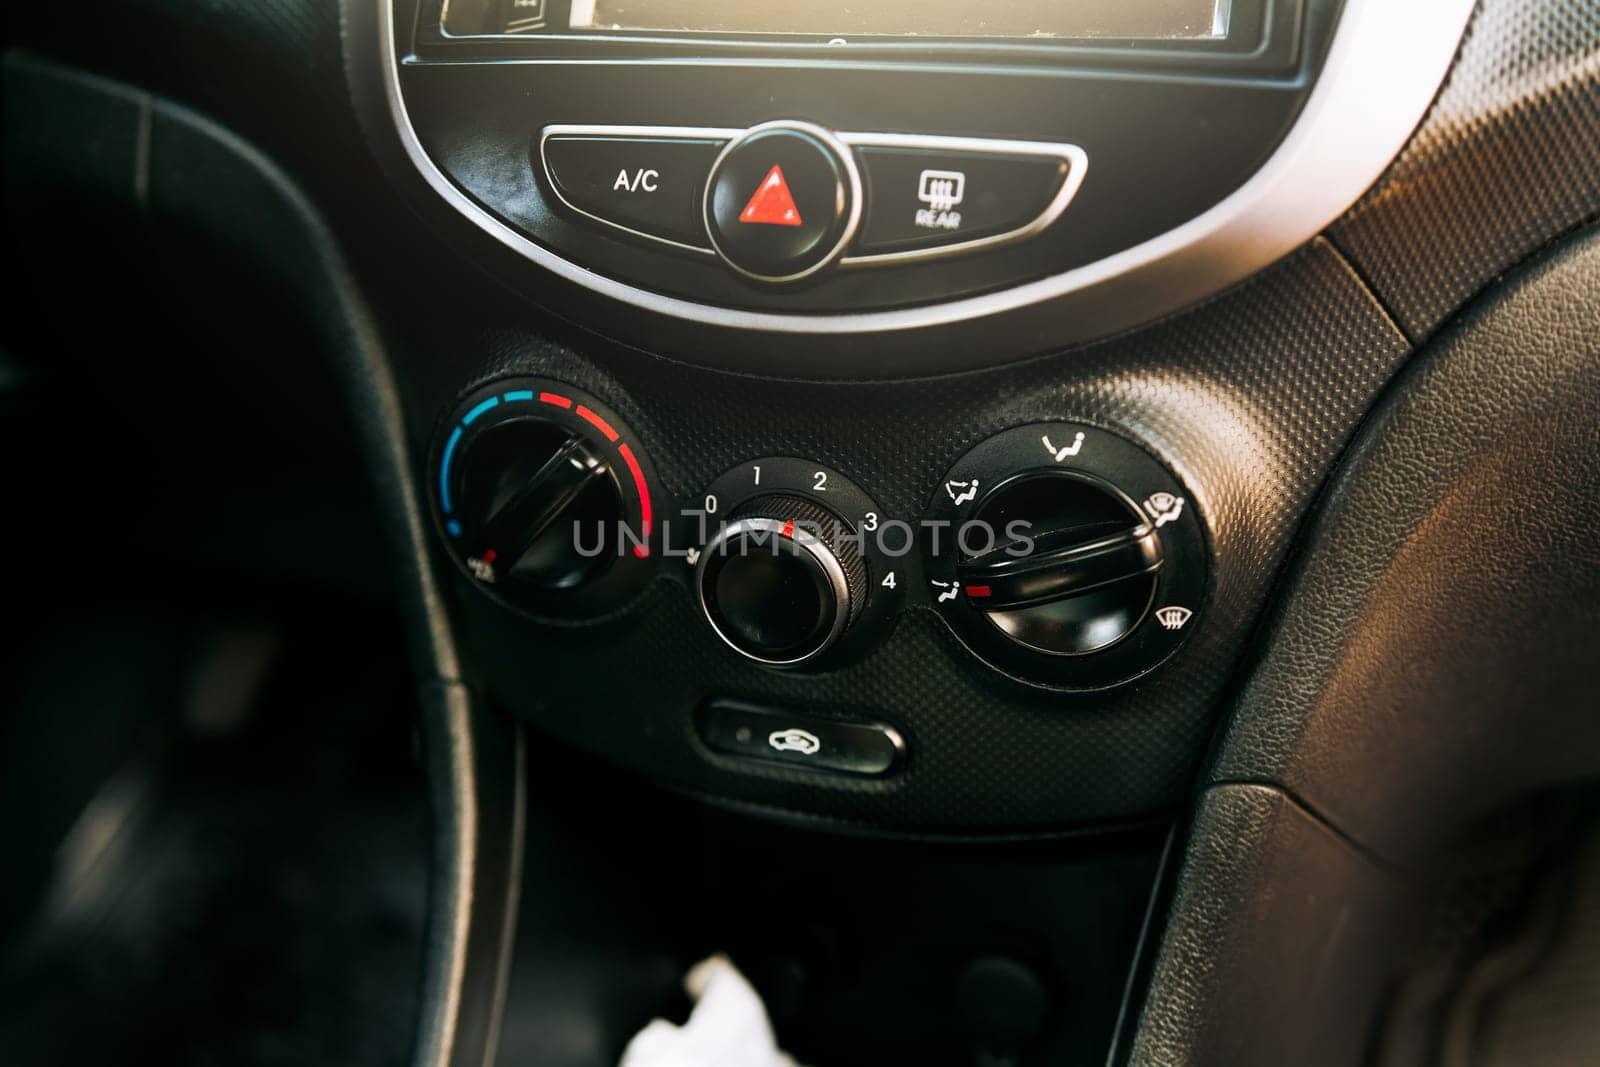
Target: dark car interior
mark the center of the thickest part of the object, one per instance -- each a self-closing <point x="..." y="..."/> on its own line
<point x="745" y="533"/>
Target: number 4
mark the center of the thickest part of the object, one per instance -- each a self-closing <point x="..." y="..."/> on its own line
<point x="888" y="580"/>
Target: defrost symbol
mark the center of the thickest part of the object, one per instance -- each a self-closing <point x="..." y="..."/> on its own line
<point x="1163" y="508"/>
<point x="1173" y="618"/>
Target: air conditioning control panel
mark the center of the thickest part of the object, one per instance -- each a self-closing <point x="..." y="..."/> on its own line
<point x="784" y="200"/>
<point x="1061" y="554"/>
<point x="935" y="203"/>
<point x="776" y="184"/>
<point x="953" y="602"/>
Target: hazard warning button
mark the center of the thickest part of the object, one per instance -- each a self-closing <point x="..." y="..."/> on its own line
<point x="783" y="202"/>
<point x="773" y="204"/>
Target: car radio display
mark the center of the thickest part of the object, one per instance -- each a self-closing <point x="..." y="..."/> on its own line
<point x="1047" y="19"/>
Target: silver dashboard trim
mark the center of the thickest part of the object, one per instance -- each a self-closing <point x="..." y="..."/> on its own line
<point x="1386" y="62"/>
<point x="1075" y="159"/>
<point x="853" y="189"/>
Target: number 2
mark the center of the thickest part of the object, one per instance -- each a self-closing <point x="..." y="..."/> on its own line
<point x="822" y="482"/>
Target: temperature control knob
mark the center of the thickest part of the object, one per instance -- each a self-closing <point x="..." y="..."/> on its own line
<point x="529" y="492"/>
<point x="543" y="498"/>
<point x="782" y="580"/>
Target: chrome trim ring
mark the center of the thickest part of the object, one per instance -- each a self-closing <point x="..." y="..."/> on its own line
<point x="853" y="190"/>
<point x="818" y="550"/>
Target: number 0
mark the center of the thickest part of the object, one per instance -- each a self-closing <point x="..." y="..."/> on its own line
<point x="711" y="504"/>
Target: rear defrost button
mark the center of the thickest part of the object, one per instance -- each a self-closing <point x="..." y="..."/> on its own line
<point x="926" y="200"/>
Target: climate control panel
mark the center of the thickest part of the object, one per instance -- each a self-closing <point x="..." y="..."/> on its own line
<point x="1060" y="554"/>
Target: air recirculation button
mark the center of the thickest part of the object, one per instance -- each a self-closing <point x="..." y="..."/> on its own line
<point x="1082" y="575"/>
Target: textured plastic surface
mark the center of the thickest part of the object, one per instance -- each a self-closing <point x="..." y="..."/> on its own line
<point x="1508" y="158"/>
<point x="1282" y="937"/>
<point x="1436" y="651"/>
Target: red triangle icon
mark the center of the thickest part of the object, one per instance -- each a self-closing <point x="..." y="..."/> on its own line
<point x="772" y="204"/>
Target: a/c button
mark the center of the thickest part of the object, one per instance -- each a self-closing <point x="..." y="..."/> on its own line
<point x="651" y="185"/>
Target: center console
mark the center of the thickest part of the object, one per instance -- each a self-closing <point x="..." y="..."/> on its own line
<point x="885" y="421"/>
<point x="736" y="537"/>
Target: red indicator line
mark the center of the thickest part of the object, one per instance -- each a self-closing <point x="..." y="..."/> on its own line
<point x="977" y="592"/>
<point x="489" y="556"/>
<point x="598" y="423"/>
<point x="788" y="529"/>
<point x="552" y="398"/>
<point x="644" y="496"/>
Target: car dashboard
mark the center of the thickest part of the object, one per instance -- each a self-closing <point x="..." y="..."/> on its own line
<point x="1048" y="533"/>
